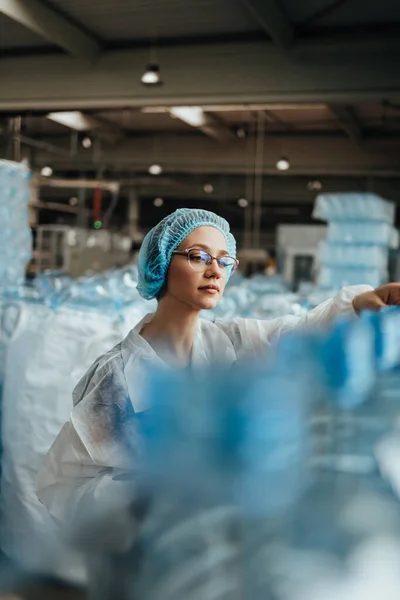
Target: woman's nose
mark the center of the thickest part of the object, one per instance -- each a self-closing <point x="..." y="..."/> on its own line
<point x="214" y="270"/>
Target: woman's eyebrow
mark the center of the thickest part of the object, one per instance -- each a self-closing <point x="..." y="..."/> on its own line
<point x="208" y="248"/>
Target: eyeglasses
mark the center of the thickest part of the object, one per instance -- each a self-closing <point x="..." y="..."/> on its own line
<point x="199" y="260"/>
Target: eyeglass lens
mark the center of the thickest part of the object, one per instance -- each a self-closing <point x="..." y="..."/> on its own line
<point x="200" y="259"/>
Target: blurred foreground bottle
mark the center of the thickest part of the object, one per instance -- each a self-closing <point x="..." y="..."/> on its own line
<point x="226" y="463"/>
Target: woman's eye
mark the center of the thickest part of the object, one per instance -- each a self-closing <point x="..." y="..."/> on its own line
<point x="197" y="257"/>
<point x="225" y="261"/>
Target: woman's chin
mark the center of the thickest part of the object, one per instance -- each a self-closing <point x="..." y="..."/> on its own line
<point x="208" y="303"/>
<point x="204" y="302"/>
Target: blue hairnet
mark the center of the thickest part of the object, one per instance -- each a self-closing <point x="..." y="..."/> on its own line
<point x="158" y="245"/>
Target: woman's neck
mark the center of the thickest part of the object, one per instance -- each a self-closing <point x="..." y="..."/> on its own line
<point x="172" y="330"/>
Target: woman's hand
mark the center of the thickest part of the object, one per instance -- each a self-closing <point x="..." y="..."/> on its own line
<point x="386" y="295"/>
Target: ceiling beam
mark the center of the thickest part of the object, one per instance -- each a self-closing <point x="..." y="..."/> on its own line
<point x="340" y="50"/>
<point x="197" y="118"/>
<point x="322" y="13"/>
<point x="271" y="18"/>
<point x="79" y="121"/>
<point x="52" y="26"/>
<point x="217" y="129"/>
<point x="346" y="116"/>
<point x="251" y="73"/>
<point x="240" y="107"/>
<point x="271" y="118"/>
<point x="314" y="157"/>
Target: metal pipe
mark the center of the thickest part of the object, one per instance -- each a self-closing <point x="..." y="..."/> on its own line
<point x="111" y="186"/>
<point x="53" y="206"/>
<point x="258" y="178"/>
<point x="110" y="209"/>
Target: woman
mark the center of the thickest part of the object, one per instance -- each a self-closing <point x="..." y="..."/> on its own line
<point x="184" y="262"/>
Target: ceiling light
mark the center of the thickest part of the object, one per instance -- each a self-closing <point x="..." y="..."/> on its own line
<point x="208" y="188"/>
<point x="243" y="202"/>
<point x="151" y="76"/>
<point x="314" y="186"/>
<point x="73" y="119"/>
<point x="283" y="164"/>
<point x="241" y="133"/>
<point x="46" y="171"/>
<point x="158" y="202"/>
<point x="155" y="170"/>
<point x="73" y="201"/>
<point x="192" y="115"/>
<point x="87" y="142"/>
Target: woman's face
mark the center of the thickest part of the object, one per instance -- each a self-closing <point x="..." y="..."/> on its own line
<point x="203" y="289"/>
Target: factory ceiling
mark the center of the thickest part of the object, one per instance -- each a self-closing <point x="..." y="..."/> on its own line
<point x="314" y="82"/>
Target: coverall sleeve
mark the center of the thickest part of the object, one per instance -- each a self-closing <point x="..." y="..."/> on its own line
<point x="252" y="336"/>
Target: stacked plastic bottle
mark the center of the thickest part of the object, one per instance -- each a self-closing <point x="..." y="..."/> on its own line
<point x="15" y="235"/>
<point x="15" y="242"/>
<point x="360" y="233"/>
<point x="50" y="334"/>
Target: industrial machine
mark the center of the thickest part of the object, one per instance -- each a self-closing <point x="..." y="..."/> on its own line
<point x="297" y="252"/>
<point x="77" y="251"/>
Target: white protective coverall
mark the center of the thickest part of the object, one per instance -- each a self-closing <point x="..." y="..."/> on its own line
<point x="101" y="435"/>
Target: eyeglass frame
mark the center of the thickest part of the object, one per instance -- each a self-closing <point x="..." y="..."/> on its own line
<point x="216" y="258"/>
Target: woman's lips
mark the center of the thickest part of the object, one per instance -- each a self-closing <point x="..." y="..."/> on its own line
<point x="209" y="289"/>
